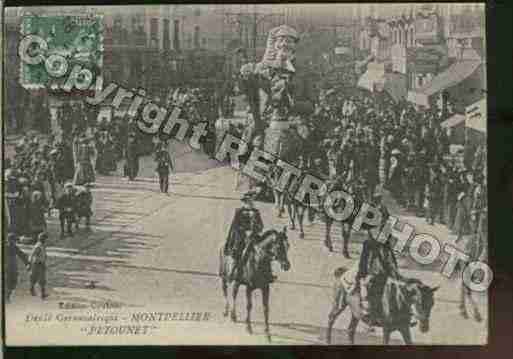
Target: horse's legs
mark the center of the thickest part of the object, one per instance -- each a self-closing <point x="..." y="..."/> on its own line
<point x="463" y="297"/>
<point x="265" y="302"/>
<point x="327" y="239"/>
<point x="235" y="290"/>
<point x="249" y="304"/>
<point x="346" y="236"/>
<point x="276" y="196"/>
<point x="386" y="335"/>
<point x="237" y="180"/>
<point x="300" y="218"/>
<point x="291" y="209"/>
<point x="352" y="328"/>
<point x="225" y="293"/>
<point x="332" y="317"/>
<point x="405" y="332"/>
<point x="466" y="293"/>
<point x="280" y="204"/>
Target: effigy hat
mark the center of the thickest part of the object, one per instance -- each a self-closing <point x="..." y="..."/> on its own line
<point x="285" y="30"/>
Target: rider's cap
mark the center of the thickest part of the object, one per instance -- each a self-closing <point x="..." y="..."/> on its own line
<point x="42" y="236"/>
<point x="247" y="197"/>
<point x="11" y="236"/>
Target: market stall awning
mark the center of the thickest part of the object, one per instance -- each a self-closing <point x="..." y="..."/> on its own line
<point x="455" y="74"/>
<point x="453" y="121"/>
<point x="375" y="74"/>
<point x="450" y="77"/>
<point x="476" y="116"/>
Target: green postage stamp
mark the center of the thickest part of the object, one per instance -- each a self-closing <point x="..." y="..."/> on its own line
<point x="57" y="44"/>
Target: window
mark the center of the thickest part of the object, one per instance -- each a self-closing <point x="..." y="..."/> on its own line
<point x="166" y="37"/>
<point x="196" y="36"/>
<point x="176" y="35"/>
<point x="154" y="30"/>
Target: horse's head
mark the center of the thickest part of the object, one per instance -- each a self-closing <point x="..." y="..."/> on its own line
<point x="279" y="248"/>
<point x="422" y="300"/>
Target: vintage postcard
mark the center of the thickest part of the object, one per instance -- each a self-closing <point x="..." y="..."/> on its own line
<point x="300" y="174"/>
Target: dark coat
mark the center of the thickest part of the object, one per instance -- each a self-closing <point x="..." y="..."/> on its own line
<point x="245" y="219"/>
<point x="377" y="259"/>
<point x="164" y="163"/>
<point x="66" y="201"/>
<point x="11" y="268"/>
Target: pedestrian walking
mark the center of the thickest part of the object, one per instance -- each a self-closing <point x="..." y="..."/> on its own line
<point x="37" y="266"/>
<point x="66" y="207"/>
<point x="164" y="166"/>
<point x="84" y="172"/>
<point x="12" y="253"/>
<point x="84" y="201"/>
<point x="37" y="210"/>
<point x="132" y="157"/>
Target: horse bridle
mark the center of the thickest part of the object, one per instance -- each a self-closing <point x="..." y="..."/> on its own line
<point x="280" y="239"/>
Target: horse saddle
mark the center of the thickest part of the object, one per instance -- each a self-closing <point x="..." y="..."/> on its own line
<point x="348" y="279"/>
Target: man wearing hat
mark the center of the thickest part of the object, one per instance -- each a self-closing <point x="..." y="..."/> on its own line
<point x="12" y="252"/>
<point x="37" y="266"/>
<point x="11" y="195"/>
<point x="434" y="195"/>
<point x="246" y="225"/>
<point x="132" y="156"/>
<point x="377" y="263"/>
<point x="84" y="201"/>
<point x="66" y="207"/>
<point x="164" y="166"/>
<point x="84" y="170"/>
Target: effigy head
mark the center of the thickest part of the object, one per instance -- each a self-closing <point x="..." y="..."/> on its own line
<point x="286" y="41"/>
<point x="281" y="48"/>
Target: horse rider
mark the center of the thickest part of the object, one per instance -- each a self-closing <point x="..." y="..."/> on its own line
<point x="246" y="226"/>
<point x="377" y="264"/>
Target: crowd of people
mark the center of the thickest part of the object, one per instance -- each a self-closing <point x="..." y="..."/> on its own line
<point x="42" y="177"/>
<point x="48" y="170"/>
<point x="55" y="172"/>
<point x="347" y="136"/>
<point x="352" y="137"/>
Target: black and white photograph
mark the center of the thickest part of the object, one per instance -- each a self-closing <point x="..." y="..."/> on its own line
<point x="245" y="174"/>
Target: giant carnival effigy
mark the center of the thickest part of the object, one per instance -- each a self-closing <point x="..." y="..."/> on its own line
<point x="268" y="87"/>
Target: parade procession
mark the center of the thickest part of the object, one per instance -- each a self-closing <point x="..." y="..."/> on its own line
<point x="256" y="174"/>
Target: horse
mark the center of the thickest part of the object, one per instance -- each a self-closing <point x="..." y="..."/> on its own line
<point x="272" y="245"/>
<point x="338" y="184"/>
<point x="401" y="300"/>
<point x="293" y="152"/>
